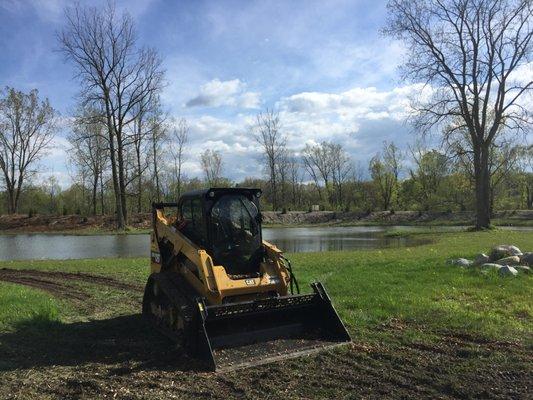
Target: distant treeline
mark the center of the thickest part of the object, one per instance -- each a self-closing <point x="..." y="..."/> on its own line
<point x="435" y="183"/>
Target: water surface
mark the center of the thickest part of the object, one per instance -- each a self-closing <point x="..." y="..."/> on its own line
<point x="52" y="246"/>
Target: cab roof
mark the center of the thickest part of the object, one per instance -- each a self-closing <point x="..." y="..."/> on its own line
<point x="217" y="192"/>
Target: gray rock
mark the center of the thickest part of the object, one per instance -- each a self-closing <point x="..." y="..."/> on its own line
<point x="461" y="262"/>
<point x="523" y="268"/>
<point x="488" y="266"/>
<point x="527" y="259"/>
<point x="481" y="259"/>
<point x="504" y="250"/>
<point x="512" y="260"/>
<point x="507" y="271"/>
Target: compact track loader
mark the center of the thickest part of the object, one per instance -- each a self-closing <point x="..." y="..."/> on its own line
<point x="223" y="293"/>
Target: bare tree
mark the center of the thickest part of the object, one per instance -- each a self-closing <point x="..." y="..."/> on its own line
<point x="316" y="160"/>
<point x="159" y="132"/>
<point x="141" y="138"/>
<point x="470" y="53"/>
<point x="340" y="169"/>
<point x="327" y="163"/>
<point x="267" y="132"/>
<point x="211" y="161"/>
<point x="88" y="151"/>
<point x="180" y="138"/>
<point x="27" y="126"/>
<point x="283" y="175"/>
<point x="295" y="178"/>
<point x="384" y="170"/>
<point x="116" y="77"/>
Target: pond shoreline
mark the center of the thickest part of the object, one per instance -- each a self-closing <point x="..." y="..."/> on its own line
<point x="140" y="223"/>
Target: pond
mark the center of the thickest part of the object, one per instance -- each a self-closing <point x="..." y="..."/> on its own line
<point x="52" y="246"/>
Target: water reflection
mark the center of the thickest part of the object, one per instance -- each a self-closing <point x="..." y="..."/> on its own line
<point x="298" y="240"/>
<point x="51" y="246"/>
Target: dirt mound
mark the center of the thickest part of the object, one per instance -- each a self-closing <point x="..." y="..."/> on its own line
<point x="59" y="283"/>
<point x="53" y="223"/>
<point x="386" y="217"/>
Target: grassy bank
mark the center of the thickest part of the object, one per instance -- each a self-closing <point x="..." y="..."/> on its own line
<point x="410" y="315"/>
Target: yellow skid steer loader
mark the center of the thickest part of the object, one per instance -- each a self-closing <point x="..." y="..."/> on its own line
<point x="223" y="293"/>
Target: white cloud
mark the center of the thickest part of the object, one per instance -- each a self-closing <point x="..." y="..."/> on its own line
<point x="523" y="74"/>
<point x="231" y="93"/>
<point x="360" y="119"/>
<point x="367" y="102"/>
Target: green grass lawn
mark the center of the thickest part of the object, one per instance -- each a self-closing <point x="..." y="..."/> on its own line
<point x="414" y="285"/>
<point x="369" y="288"/>
<point x="421" y="329"/>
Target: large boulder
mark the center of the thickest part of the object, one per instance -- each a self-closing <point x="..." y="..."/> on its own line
<point x="481" y="259"/>
<point x="512" y="260"/>
<point x="504" y="250"/>
<point x="507" y="271"/>
<point x="527" y="259"/>
<point x="488" y="266"/>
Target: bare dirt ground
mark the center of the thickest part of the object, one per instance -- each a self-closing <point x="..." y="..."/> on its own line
<point x="57" y="282"/>
<point x="51" y="223"/>
<point x="518" y="217"/>
<point x="121" y="357"/>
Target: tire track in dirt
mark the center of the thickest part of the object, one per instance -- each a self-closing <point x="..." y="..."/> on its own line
<point x="55" y="288"/>
<point x="57" y="282"/>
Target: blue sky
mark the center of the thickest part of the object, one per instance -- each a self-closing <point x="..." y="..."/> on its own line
<point x="322" y="64"/>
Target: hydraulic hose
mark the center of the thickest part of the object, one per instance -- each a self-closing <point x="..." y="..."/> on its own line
<point x="293" y="281"/>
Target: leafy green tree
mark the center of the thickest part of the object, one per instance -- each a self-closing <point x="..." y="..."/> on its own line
<point x="385" y="169"/>
<point x="432" y="167"/>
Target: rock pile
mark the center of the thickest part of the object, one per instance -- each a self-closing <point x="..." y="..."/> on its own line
<point x="508" y="260"/>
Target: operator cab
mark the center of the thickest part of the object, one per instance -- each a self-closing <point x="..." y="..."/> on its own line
<point x="227" y="223"/>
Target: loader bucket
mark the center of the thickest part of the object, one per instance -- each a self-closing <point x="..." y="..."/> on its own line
<point x="257" y="332"/>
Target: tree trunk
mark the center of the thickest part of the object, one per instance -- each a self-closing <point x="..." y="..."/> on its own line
<point x="156" y="170"/>
<point x="102" y="192"/>
<point x="16" y="194"/>
<point x="139" y="180"/>
<point x="95" y="190"/>
<point x="10" y="200"/>
<point x="121" y="180"/>
<point x="482" y="184"/>
<point x="121" y="225"/>
<point x="179" y="184"/>
<point x="116" y="187"/>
